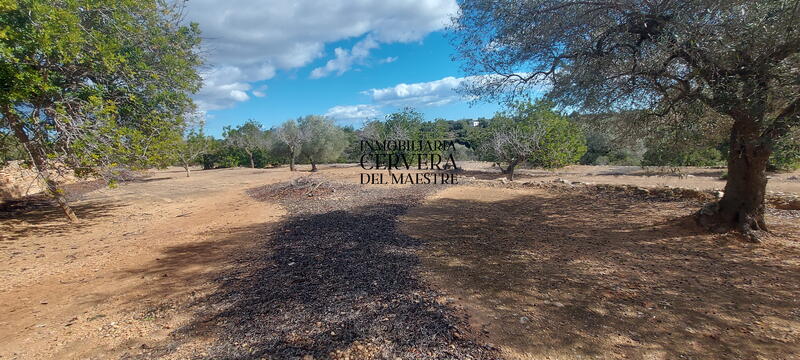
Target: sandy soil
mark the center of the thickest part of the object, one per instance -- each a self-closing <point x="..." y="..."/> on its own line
<point x="553" y="275"/>
<point x="79" y="291"/>
<point x="585" y="272"/>
<point x="687" y="177"/>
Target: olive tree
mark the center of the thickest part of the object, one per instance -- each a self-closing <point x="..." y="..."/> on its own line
<point x="324" y="141"/>
<point x="512" y="145"/>
<point x="406" y="125"/>
<point x="293" y="138"/>
<point x="533" y="133"/>
<point x="662" y="61"/>
<point x="94" y="85"/>
<point x="249" y="137"/>
<point x="194" y="144"/>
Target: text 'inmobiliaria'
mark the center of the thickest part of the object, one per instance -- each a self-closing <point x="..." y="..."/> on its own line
<point x="408" y="162"/>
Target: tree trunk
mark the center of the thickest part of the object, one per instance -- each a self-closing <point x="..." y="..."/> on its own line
<point x="291" y="163"/>
<point x="502" y="169"/>
<point x="313" y="166"/>
<point x="510" y="170"/>
<point x="252" y="164"/>
<point x="186" y="167"/>
<point x="38" y="157"/>
<point x="742" y="205"/>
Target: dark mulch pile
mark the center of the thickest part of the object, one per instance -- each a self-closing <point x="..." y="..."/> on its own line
<point x="337" y="282"/>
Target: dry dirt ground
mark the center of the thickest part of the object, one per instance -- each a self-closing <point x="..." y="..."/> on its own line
<point x="686" y="177"/>
<point x="80" y="291"/>
<point x="206" y="267"/>
<point x="567" y="275"/>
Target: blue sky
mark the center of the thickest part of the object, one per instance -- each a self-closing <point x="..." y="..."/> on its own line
<point x="351" y="60"/>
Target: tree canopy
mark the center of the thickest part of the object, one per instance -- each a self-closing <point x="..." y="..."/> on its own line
<point x="248" y="137"/>
<point x="95" y="84"/>
<point x="324" y="141"/>
<point x="533" y="133"/>
<point x="292" y="139"/>
<point x="733" y="63"/>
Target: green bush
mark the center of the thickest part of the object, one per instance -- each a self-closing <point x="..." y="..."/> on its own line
<point x="563" y="144"/>
<point x="678" y="155"/>
<point x="604" y="149"/>
<point x="463" y="153"/>
<point x="533" y="133"/>
<point x="223" y="156"/>
<point x="786" y="153"/>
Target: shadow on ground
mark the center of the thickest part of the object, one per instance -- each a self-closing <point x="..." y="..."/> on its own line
<point x="338" y="284"/>
<point x="37" y="215"/>
<point x="572" y="276"/>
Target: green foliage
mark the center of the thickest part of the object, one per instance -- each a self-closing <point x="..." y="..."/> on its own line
<point x="352" y="150"/>
<point x="532" y="132"/>
<point x="289" y="139"/>
<point x="96" y="84"/>
<point x="463" y="153"/>
<point x="786" y="153"/>
<point x="249" y="138"/>
<point x="192" y="146"/>
<point x="676" y="155"/>
<point x="603" y="149"/>
<point x="225" y="156"/>
<point x="324" y="141"/>
<point x="407" y="124"/>
<point x="563" y="144"/>
<point x="10" y="148"/>
<point x="695" y="143"/>
<point x="661" y="63"/>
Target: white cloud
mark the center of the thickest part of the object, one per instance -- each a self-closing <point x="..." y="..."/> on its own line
<point x="223" y="87"/>
<point x="345" y="59"/>
<point x="436" y="93"/>
<point x="353" y="112"/>
<point x="387" y="60"/>
<point x="258" y="38"/>
<point x="260" y="92"/>
<point x="431" y="93"/>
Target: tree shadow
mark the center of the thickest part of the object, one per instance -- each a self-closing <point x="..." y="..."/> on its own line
<point x="491" y="175"/>
<point x="571" y="276"/>
<point x="37" y="215"/>
<point x="149" y="179"/>
<point x="329" y="285"/>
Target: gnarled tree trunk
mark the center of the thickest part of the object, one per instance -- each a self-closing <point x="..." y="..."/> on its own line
<point x="742" y="205"/>
<point x="509" y="171"/>
<point x="291" y="163"/>
<point x="313" y="166"/>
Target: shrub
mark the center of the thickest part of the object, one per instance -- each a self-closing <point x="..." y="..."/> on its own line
<point x="786" y="153"/>
<point x="681" y="155"/>
<point x="463" y="153"/>
<point x="531" y="132"/>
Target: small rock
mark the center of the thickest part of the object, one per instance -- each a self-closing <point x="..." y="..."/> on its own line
<point x="523" y="320"/>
